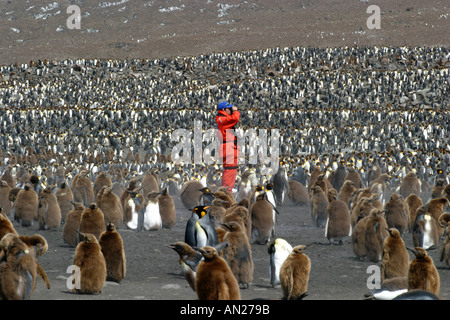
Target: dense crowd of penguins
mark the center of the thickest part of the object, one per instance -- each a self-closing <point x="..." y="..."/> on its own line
<point x="379" y="111"/>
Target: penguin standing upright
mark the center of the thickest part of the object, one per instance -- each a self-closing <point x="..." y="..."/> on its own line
<point x="395" y="258"/>
<point x="134" y="203"/>
<point x="271" y="197"/>
<point x="278" y="250"/>
<point x="238" y="253"/>
<point x="294" y="274"/>
<point x="280" y="185"/>
<point x="422" y="273"/>
<point x="214" y="280"/>
<point x="167" y="209"/>
<point x="338" y="225"/>
<point x="111" y="244"/>
<point x="150" y="217"/>
<point x="89" y="258"/>
<point x="375" y="233"/>
<point x="200" y="231"/>
<point x="261" y="213"/>
<point x="444" y="253"/>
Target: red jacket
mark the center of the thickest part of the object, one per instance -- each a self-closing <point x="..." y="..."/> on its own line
<point x="224" y="122"/>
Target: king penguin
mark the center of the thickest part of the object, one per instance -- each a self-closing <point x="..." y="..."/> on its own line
<point x="422" y="273"/>
<point x="395" y="258"/>
<point x="214" y="280"/>
<point x="189" y="260"/>
<point x="149" y="216"/>
<point x="278" y="250"/>
<point x="200" y="231"/>
<point x="294" y="274"/>
<point x="135" y="203"/>
<point x="111" y="245"/>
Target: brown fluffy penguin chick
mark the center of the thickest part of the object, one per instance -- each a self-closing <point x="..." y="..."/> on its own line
<point x="298" y="193"/>
<point x="6" y="225"/>
<point x="38" y="246"/>
<point x="395" y="258"/>
<point x="346" y="192"/>
<point x="49" y="209"/>
<point x="189" y="260"/>
<point x="338" y="224"/>
<point x="397" y="213"/>
<point x="410" y="185"/>
<point x="89" y="258"/>
<point x="319" y="204"/>
<point x="26" y="206"/>
<point x="413" y="202"/>
<point x="167" y="209"/>
<point x="444" y="254"/>
<point x="294" y="274"/>
<point x="72" y="224"/>
<point x="422" y="273"/>
<point x="438" y="189"/>
<point x="17" y="269"/>
<point x="82" y="188"/>
<point x="214" y="280"/>
<point x="190" y="194"/>
<point x="92" y="221"/>
<point x="109" y="203"/>
<point x="261" y="213"/>
<point x="358" y="238"/>
<point x="102" y="180"/>
<point x="5" y="203"/>
<point x="238" y="253"/>
<point x="111" y="244"/>
<point x="375" y="233"/>
<point x="64" y="197"/>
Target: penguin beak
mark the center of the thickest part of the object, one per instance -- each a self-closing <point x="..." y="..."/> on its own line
<point x="227" y="226"/>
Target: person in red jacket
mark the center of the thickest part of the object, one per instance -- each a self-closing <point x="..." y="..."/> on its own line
<point x="227" y="117"/>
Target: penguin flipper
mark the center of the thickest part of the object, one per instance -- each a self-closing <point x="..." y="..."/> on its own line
<point x="442" y="253"/>
<point x="40" y="271"/>
<point x="189" y="234"/>
<point x="25" y="284"/>
<point x="193" y="263"/>
<point x="141" y="215"/>
<point x="221" y="245"/>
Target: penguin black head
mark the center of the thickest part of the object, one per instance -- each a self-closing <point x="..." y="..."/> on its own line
<point x="209" y="253"/>
<point x="201" y="211"/>
<point x="86" y="237"/>
<point x="269" y="186"/>
<point x="419" y="252"/>
<point x="299" y="249"/>
<point x="259" y="188"/>
<point x="110" y="227"/>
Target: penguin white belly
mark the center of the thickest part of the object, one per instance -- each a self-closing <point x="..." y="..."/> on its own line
<point x="427" y="239"/>
<point x="280" y="255"/>
<point x="201" y="236"/>
<point x="152" y="217"/>
<point x="388" y="295"/>
<point x="133" y="223"/>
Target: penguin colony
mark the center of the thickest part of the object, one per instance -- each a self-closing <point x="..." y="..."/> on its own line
<point x="370" y="123"/>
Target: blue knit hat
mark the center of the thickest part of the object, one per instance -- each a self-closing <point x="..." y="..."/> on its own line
<point x="223" y="104"/>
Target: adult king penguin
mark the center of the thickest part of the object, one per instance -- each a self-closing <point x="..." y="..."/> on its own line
<point x="200" y="231"/>
<point x="278" y="250"/>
